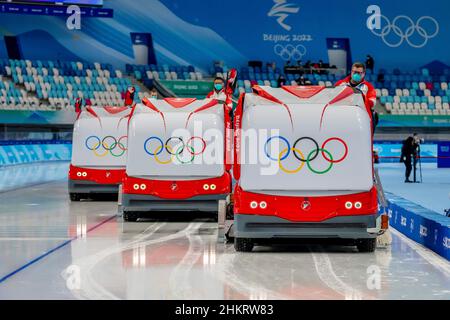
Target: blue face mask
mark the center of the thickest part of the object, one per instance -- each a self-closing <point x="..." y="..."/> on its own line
<point x="218" y="86"/>
<point x="356" y="77"/>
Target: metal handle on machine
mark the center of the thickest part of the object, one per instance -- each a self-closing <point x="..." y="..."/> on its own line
<point x="162" y="90"/>
<point x="381" y="195"/>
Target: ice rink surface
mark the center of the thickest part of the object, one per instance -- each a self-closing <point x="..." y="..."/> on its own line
<point x="51" y="248"/>
<point x="433" y="193"/>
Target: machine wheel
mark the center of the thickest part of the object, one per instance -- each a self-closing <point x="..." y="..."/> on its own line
<point x="130" y="216"/>
<point x="75" y="196"/>
<point x="230" y="213"/>
<point x="366" y="245"/>
<point x="243" y="244"/>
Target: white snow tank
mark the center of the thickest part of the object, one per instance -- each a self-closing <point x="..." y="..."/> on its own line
<point x="310" y="141"/>
<point x="100" y="138"/>
<point x="177" y="139"/>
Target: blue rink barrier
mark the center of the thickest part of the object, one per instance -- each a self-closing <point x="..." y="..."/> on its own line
<point x="424" y="226"/>
<point x="29" y="152"/>
<point x="389" y="152"/>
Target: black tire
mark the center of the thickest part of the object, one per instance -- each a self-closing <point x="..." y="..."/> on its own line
<point x="75" y="197"/>
<point x="130" y="216"/>
<point x="366" y="245"/>
<point x="243" y="244"/>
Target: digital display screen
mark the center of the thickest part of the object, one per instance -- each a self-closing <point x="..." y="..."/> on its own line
<point x="64" y="2"/>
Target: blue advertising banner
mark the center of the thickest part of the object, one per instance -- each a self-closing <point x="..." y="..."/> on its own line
<point x="198" y="32"/>
<point x="390" y="152"/>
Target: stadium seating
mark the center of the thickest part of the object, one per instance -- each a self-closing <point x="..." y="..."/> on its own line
<point x="408" y="93"/>
<point x="413" y="93"/>
<point x="11" y="98"/>
<point x="248" y="76"/>
<point x="147" y="73"/>
<point x="54" y="85"/>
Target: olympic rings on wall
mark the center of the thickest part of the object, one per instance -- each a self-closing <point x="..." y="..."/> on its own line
<point x="312" y="155"/>
<point x="179" y="148"/>
<point x="109" y="144"/>
<point x="405" y="35"/>
<point x="290" y="52"/>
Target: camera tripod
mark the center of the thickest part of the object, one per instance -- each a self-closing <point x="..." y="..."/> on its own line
<point x="417" y="159"/>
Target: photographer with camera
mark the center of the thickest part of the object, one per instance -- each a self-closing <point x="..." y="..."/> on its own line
<point x="410" y="155"/>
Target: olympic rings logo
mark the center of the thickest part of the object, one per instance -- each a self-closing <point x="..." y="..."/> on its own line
<point x="410" y="31"/>
<point x="176" y="149"/>
<point x="310" y="156"/>
<point x="109" y="144"/>
<point x="290" y="52"/>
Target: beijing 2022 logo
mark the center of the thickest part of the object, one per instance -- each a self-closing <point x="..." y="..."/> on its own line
<point x="402" y="29"/>
<point x="282" y="9"/>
